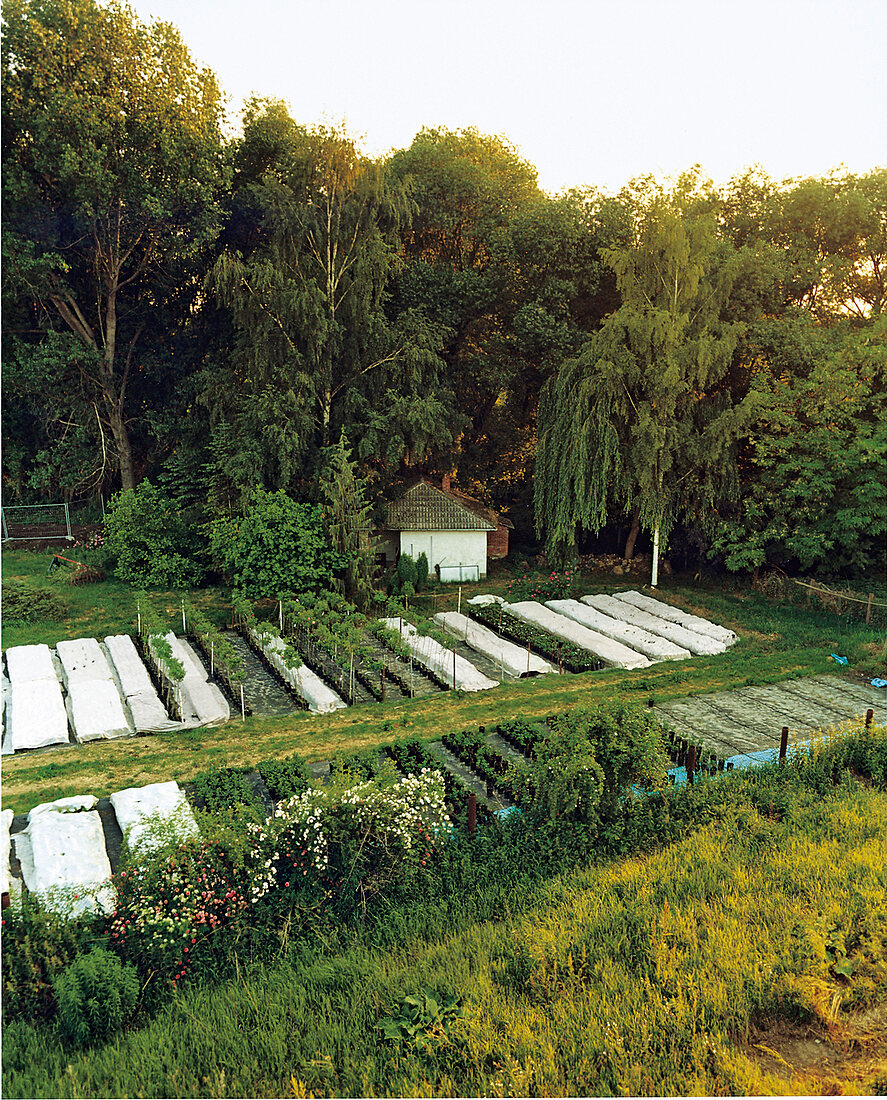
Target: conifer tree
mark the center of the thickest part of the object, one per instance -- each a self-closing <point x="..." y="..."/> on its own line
<point x="348" y="520"/>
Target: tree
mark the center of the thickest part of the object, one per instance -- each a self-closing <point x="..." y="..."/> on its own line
<point x="306" y="287"/>
<point x="347" y="519"/>
<point x="640" y="421"/>
<point x="278" y="546"/>
<point x="111" y="144"/>
<point x="813" y="477"/>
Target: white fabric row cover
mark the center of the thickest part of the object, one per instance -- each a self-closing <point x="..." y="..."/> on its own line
<point x="675" y="615"/>
<point x="83" y="661"/>
<point x="148" y="712"/>
<point x="688" y="639"/>
<point x="36" y="715"/>
<point x="63" y="857"/>
<point x="461" y="673"/>
<point x="652" y="646"/>
<point x="513" y="659"/>
<point x="6" y="817"/>
<point x="96" y="710"/>
<point x="610" y="652"/>
<point x="152" y="815"/>
<point x="26" y="663"/>
<point x="485" y="600"/>
<point x="307" y="684"/>
<point x="201" y="703"/>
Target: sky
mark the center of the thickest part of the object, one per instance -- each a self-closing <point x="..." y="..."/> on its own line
<point x="591" y="92"/>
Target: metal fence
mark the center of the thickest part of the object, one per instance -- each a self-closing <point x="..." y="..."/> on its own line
<point x="30" y="522"/>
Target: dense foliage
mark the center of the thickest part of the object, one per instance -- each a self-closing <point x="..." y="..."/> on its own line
<point x="279" y="313"/>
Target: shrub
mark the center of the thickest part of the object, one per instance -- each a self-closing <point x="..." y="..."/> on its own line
<point x="37" y="946"/>
<point x="26" y="603"/>
<point x="151" y="541"/>
<point x="421" y="571"/>
<point x="96" y="996"/>
<point x="278" y="546"/>
<point x="284" y="778"/>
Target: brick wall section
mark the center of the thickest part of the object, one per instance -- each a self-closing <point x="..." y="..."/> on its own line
<point x="497" y="543"/>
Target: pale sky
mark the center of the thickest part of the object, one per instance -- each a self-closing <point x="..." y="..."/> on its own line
<point x="591" y="92"/>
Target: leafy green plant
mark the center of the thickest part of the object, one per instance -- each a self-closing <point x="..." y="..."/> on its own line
<point x="284" y="778"/>
<point x="426" y="1019"/>
<point x="37" y="946"/>
<point x="96" y="996"/>
<point x="152" y="542"/>
<point x="421" y="571"/>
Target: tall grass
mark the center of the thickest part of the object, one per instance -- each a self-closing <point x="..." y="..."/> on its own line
<point x="644" y="975"/>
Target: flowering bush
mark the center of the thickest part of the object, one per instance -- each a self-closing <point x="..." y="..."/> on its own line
<point x="353" y="841"/>
<point x="532" y="585"/>
<point x="169" y="903"/>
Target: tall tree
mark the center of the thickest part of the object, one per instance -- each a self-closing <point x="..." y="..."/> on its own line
<point x="110" y="162"/>
<point x="348" y="520"/>
<point x="640" y="421"/>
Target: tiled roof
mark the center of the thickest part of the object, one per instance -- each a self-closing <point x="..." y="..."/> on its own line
<point x="424" y="508"/>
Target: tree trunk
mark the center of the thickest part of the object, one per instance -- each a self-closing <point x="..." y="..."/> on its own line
<point x="124" y="450"/>
<point x="115" y="395"/>
<point x="632" y="534"/>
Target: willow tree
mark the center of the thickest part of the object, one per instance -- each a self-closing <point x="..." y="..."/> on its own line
<point x="111" y="149"/>
<point x="642" y="421"/>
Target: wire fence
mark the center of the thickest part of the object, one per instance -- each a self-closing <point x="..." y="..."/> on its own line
<point x="851" y="604"/>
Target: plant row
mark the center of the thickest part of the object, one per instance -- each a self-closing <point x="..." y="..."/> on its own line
<point x="562" y="653"/>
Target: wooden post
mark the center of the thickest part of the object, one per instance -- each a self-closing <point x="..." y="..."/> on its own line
<point x="184" y="624"/>
<point x="382" y="682"/>
<point x="242" y="705"/>
<point x="212" y="662"/>
<point x="869" y="718"/>
<point x="472" y="813"/>
<point x="691" y="764"/>
<point x="783" y="744"/>
<point x="868" y="609"/>
<point x="528" y="658"/>
<point x="454" y="666"/>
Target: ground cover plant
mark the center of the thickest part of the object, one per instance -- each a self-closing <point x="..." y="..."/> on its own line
<point x="725" y="921"/>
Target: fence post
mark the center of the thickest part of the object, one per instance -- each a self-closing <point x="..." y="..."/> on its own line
<point x="242" y="705"/>
<point x="184" y="624"/>
<point x="472" y="813"/>
<point x="783" y="744"/>
<point x="69" y="536"/>
<point x="691" y="764"/>
<point x="868" y="609"/>
<point x="382" y="682"/>
<point x="869" y="718"/>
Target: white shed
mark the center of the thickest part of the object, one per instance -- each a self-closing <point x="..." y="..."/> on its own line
<point x="453" y="537"/>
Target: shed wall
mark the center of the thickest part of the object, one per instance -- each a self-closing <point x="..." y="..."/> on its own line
<point x="447" y="547"/>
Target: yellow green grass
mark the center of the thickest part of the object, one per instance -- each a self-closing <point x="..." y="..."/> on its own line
<point x="701" y="969"/>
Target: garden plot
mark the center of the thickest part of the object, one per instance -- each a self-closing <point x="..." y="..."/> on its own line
<point x="513" y="659"/>
<point x="94" y="704"/>
<point x="149" y="816"/>
<point x="200" y="702"/>
<point x="63" y="857"/>
<point x="445" y="664"/>
<point x="697" y="644"/>
<point x="307" y="684"/>
<point x="609" y="651"/>
<point x="675" y="615"/>
<point x="651" y="645"/>
<point x="148" y="712"/>
<point x="35" y="707"/>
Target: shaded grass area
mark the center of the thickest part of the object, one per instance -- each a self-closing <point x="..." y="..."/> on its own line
<point x="652" y="975"/>
<point x="777" y="642"/>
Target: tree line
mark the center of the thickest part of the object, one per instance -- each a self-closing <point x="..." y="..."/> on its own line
<point x="225" y="315"/>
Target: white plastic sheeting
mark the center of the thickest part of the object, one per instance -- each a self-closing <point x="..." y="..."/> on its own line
<point x="688" y="639"/>
<point x="96" y="710"/>
<point x="485" y="599"/>
<point x="63" y="857"/>
<point x="676" y="615"/>
<point x="36" y="715"/>
<point x="651" y="645"/>
<point x="201" y="703"/>
<point x="4" y="699"/>
<point x="149" y="816"/>
<point x="320" y="698"/>
<point x="83" y="661"/>
<point x="612" y="653"/>
<point x="5" y="849"/>
<point x="513" y="659"/>
<point x="26" y="663"/>
<point x="148" y="712"/>
<point x="449" y="667"/>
